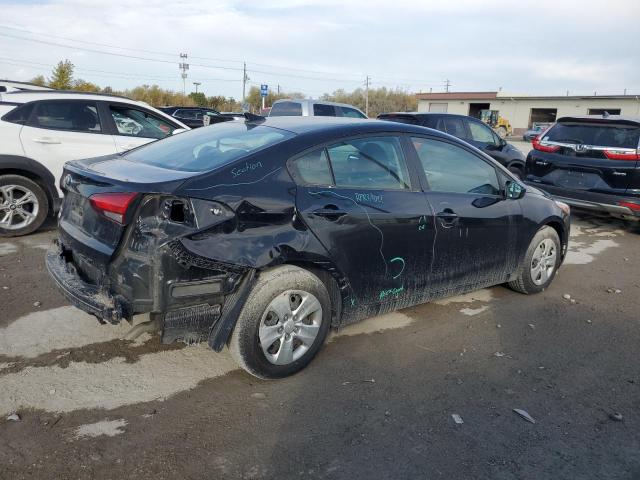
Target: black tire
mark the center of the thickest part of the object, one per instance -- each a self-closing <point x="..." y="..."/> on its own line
<point x="42" y="205"/>
<point x="524" y="283"/>
<point x="244" y="344"/>
<point x="517" y="171"/>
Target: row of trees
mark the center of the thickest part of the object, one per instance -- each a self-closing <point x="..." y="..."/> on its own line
<point x="380" y="99"/>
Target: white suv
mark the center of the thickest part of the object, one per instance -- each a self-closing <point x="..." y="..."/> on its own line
<point x="313" y="108"/>
<point x="41" y="130"/>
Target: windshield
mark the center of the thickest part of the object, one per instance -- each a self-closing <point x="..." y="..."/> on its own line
<point x="602" y="135"/>
<point x="208" y="148"/>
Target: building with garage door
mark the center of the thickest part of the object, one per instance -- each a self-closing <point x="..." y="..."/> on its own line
<point x="522" y="111"/>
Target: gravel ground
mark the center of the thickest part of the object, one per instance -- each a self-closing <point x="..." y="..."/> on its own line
<point x="376" y="403"/>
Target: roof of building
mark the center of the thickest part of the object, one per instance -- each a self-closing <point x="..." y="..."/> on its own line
<point x="507" y="96"/>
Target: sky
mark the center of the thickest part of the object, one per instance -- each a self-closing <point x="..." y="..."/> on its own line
<point x="541" y="47"/>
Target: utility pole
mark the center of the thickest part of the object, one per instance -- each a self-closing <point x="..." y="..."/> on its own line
<point x="184" y="67"/>
<point x="447" y="84"/>
<point x="244" y="81"/>
<point x="197" y="84"/>
<point x="366" y="95"/>
<point x="279" y="89"/>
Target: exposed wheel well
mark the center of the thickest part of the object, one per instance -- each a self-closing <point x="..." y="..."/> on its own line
<point x="36" y="178"/>
<point x="559" y="228"/>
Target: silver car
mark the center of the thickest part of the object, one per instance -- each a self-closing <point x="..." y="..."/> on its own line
<point x="313" y="108"/>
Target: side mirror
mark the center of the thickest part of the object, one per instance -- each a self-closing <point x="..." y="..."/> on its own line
<point x="178" y="130"/>
<point x="513" y="190"/>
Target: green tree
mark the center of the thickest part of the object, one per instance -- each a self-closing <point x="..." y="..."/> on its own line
<point x="39" y="80"/>
<point x="62" y="76"/>
<point x="199" y="98"/>
<point x="83" y="86"/>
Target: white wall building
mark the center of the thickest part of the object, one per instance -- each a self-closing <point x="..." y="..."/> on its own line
<point x="522" y="111"/>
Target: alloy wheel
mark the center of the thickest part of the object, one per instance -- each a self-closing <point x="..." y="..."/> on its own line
<point x="18" y="207"/>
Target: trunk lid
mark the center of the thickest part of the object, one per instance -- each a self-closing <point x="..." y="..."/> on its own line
<point x="88" y="233"/>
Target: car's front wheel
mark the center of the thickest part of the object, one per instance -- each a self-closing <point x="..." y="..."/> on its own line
<point x="540" y="263"/>
<point x="283" y="323"/>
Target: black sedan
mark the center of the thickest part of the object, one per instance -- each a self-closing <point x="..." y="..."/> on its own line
<point x="261" y="235"/>
<point x="196" y="117"/>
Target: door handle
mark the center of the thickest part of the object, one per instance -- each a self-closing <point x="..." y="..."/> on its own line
<point x="47" y="140"/>
<point x="448" y="218"/>
<point x="621" y="174"/>
<point x="330" y="212"/>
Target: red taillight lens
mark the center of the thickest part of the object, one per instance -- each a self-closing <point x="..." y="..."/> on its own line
<point x="543" y="148"/>
<point x="633" y="206"/>
<point x="622" y="155"/>
<point x="112" y="205"/>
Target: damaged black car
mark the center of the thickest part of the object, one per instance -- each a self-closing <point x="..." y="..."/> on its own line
<point x="262" y="235"/>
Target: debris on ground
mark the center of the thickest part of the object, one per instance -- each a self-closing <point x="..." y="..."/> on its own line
<point x="499" y="354"/>
<point x="37" y="304"/>
<point x="572" y="300"/>
<point x="499" y="326"/>
<point x="589" y="321"/>
<point x="258" y="395"/>
<point x="524" y="415"/>
<point x="566" y="296"/>
<point x="387" y="413"/>
<point x="617" y="290"/>
<point x="532" y="326"/>
<point x="14" y="417"/>
<point x="361" y="381"/>
<point x="457" y="418"/>
<point x="5" y="288"/>
<point x="616" y="416"/>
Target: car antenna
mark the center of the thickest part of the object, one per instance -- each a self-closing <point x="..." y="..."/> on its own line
<point x="250" y="117"/>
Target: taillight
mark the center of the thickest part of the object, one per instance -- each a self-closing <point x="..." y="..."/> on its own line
<point x="622" y="155"/>
<point x="112" y="205"/>
<point x="542" y="147"/>
<point x="633" y="206"/>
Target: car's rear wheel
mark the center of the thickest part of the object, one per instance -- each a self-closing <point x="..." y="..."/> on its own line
<point x="283" y="323"/>
<point x="23" y="206"/>
<point x="517" y="171"/>
<point x="540" y="263"/>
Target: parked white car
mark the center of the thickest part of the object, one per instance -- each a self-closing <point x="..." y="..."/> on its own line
<point x="42" y="130"/>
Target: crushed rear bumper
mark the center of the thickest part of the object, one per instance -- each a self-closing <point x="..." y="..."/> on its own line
<point x="83" y="295"/>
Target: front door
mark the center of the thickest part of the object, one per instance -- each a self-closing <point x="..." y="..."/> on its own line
<point x="476" y="226"/>
<point x="358" y="199"/>
<point x="63" y="130"/>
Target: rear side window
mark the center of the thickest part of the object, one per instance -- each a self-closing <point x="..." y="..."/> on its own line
<point x="352" y="113"/>
<point x="601" y="135"/>
<point x="454" y="126"/>
<point x="313" y="168"/>
<point x="19" y="114"/>
<point x="286" y="109"/>
<point x="322" y="110"/>
<point x="373" y="163"/>
<point x="206" y="149"/>
<point x="450" y="168"/>
<point x="62" y="115"/>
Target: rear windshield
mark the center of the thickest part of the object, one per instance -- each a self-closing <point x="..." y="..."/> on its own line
<point x="399" y="118"/>
<point x="286" y="109"/>
<point x="208" y="148"/>
<point x="609" y="135"/>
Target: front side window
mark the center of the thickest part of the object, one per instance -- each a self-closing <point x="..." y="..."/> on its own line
<point x="188" y="114"/>
<point x="374" y="163"/>
<point x="66" y="115"/>
<point x="138" y="123"/>
<point x="206" y="149"/>
<point x="286" y="109"/>
<point x="352" y="113"/>
<point x="313" y="168"/>
<point x="322" y="110"/>
<point x="450" y="168"/>
<point x="481" y="133"/>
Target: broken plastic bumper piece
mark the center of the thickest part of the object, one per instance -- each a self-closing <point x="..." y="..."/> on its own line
<point x="81" y="294"/>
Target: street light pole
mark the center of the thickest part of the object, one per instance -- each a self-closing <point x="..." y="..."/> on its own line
<point x="197" y="84"/>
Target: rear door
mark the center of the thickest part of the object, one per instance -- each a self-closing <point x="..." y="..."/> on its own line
<point x="587" y="156"/>
<point x="483" y="138"/>
<point x="63" y="130"/>
<point x="476" y="226"/>
<point x="134" y="126"/>
<point x="324" y="110"/>
<point x="358" y="198"/>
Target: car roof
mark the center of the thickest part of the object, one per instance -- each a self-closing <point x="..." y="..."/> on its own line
<point x="344" y="125"/>
<point x="620" y="119"/>
<point x="313" y="101"/>
<point x="25" y="96"/>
